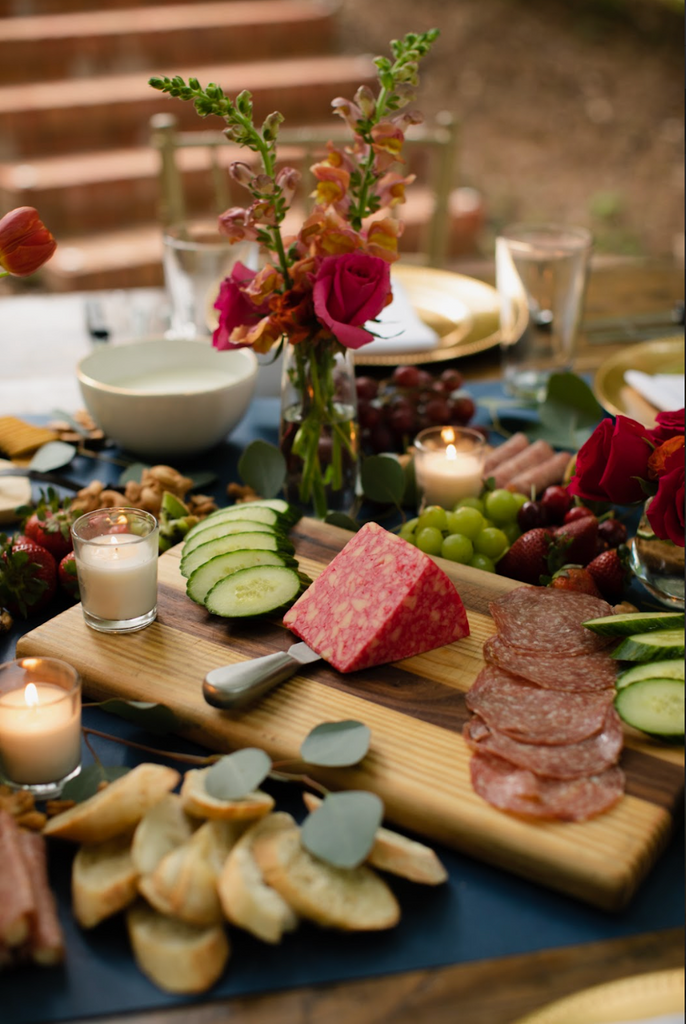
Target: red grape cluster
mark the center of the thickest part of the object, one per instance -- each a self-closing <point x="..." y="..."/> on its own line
<point x="392" y="412"/>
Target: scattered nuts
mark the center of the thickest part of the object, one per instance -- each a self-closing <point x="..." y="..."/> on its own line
<point x="6" y="621"/>
<point x="54" y="807"/>
<point x="34" y="820"/>
<point x="242" y="494"/>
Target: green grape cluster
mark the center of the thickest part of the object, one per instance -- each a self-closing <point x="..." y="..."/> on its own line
<point x="476" y="532"/>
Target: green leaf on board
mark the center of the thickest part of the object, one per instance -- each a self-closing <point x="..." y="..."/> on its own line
<point x="133" y="472"/>
<point x="155" y="718"/>
<point x="383" y="479"/>
<point x="86" y="783"/>
<point x="52" y="455"/>
<point x="263" y="467"/>
<point x="569" y="413"/>
<point x="341" y="519"/>
<point x="342" y="829"/>
<point x="336" y="744"/>
<point x="238" y="774"/>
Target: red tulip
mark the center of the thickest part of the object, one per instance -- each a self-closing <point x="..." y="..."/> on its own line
<point x="25" y="242"/>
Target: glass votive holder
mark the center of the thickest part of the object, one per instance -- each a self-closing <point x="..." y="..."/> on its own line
<point x="40" y="725"/>
<point x="449" y="464"/>
<point x="116" y="551"/>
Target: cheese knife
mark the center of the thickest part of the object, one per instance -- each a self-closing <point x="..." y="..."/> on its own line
<point x="233" y="686"/>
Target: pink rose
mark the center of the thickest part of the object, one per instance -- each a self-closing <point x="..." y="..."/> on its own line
<point x="669" y="425"/>
<point x="348" y="291"/>
<point x="609" y="463"/>
<point x="235" y="309"/>
<point x="666" y="510"/>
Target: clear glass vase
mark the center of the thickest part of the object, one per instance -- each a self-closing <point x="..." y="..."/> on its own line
<point x="658" y="564"/>
<point x="319" y="435"/>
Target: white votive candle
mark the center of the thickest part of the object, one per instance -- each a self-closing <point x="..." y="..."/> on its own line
<point x="40" y="733"/>
<point x="448" y="465"/>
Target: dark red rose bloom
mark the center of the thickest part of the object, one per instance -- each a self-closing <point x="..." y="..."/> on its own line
<point x="669" y="424"/>
<point x="608" y="465"/>
<point x="348" y="291"/>
<point x="666" y="509"/>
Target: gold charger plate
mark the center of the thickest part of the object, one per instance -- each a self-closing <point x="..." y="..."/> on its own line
<point x="628" y="999"/>
<point x="663" y="355"/>
<point x="464" y="312"/>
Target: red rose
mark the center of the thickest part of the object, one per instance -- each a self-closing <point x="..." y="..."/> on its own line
<point x="669" y="424"/>
<point x="666" y="510"/>
<point x="609" y="463"/>
<point x="348" y="291"/>
<point x="235" y="309"/>
<point x="25" y="242"/>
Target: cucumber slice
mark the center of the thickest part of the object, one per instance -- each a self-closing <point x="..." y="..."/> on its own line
<point x="223" y="529"/>
<point x="206" y="575"/>
<point x="672" y="669"/>
<point x="234" y="542"/>
<point x="288" y="511"/>
<point x="655" y="706"/>
<point x="244" y="512"/>
<point x="635" y="622"/>
<point x="663" y="643"/>
<point x="258" y="590"/>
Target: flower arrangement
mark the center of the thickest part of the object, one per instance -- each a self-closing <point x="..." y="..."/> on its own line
<point x="625" y="463"/>
<point x="316" y="291"/>
<point x="25" y="242"/>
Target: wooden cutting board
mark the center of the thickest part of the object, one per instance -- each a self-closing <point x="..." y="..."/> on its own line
<point x="418" y="762"/>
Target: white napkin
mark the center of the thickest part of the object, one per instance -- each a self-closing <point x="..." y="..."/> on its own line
<point x="399" y="329"/>
<point x="665" y="391"/>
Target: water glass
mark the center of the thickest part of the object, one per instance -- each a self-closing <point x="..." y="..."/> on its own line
<point x="541" y="273"/>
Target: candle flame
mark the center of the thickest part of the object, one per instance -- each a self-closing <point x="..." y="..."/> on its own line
<point x="31" y="696"/>
<point x="451" y="452"/>
<point x="447" y="434"/>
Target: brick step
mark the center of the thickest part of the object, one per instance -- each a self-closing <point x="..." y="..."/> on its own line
<point x="113" y="111"/>
<point x="105" y="42"/>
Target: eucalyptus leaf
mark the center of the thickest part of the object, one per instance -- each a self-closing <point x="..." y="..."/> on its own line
<point x="133" y="472"/>
<point x="341" y="519"/>
<point x="204" y="479"/>
<point x="383" y="479"/>
<point x="74" y="424"/>
<point x="238" y="774"/>
<point x="86" y="783"/>
<point x="263" y="467"/>
<point x="336" y="744"/>
<point x="569" y="413"/>
<point x="52" y="455"/>
<point x="342" y="829"/>
<point x="155" y="718"/>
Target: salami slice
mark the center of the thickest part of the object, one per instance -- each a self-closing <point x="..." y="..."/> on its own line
<point x="563" y="761"/>
<point x="530" y="714"/>
<point x="583" y="672"/>
<point x="521" y="792"/>
<point x="546" y="621"/>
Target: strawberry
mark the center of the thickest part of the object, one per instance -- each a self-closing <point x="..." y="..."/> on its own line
<point x="611" y="572"/>
<point x="28" y="576"/>
<point x="50" y="525"/>
<point x="66" y="575"/>
<point x="573" y="577"/>
<point x="527" y="559"/>
<point x="577" y="541"/>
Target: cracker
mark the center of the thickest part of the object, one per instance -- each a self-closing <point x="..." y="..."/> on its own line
<point x="19" y="438"/>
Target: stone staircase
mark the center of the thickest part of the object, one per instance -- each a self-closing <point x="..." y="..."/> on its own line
<point x="75" y="108"/>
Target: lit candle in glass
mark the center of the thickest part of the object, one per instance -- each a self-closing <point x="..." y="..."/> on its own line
<point x="449" y="465"/>
<point x="40" y="724"/>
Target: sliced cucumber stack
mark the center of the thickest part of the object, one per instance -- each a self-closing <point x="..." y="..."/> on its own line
<point x="225" y="529"/>
<point x="671" y="669"/>
<point x="206" y="575"/>
<point x="660" y="644"/>
<point x="266" y="516"/>
<point x="257" y="590"/>
<point x="635" y="622"/>
<point x="251" y="540"/>
<point x="655" y="706"/>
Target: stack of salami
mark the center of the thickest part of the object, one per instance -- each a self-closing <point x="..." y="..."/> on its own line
<point x="545" y="734"/>
<point x="520" y="466"/>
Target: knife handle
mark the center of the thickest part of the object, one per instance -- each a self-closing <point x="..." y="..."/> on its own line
<point x="233" y="686"/>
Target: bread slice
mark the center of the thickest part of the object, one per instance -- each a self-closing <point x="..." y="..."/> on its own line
<point x="198" y="802"/>
<point x="397" y="854"/>
<point x="245" y="898"/>
<point x="353" y="899"/>
<point x="103" y="880"/>
<point x="161" y="829"/>
<point x="115" y="809"/>
<point x="178" y="957"/>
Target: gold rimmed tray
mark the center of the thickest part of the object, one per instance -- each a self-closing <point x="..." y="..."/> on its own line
<point x="646" y="996"/>
<point x="464" y="312"/>
<point x="663" y="355"/>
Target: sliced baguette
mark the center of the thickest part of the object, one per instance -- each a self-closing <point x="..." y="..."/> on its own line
<point x="198" y="802"/>
<point x="161" y="829"/>
<point x="245" y="898"/>
<point x="352" y="899"/>
<point x="103" y="880"/>
<point x="178" y="957"/>
<point x="115" y="809"/>
<point x="397" y="854"/>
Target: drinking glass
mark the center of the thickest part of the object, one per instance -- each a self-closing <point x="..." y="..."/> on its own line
<point x="196" y="260"/>
<point x="541" y="273"/>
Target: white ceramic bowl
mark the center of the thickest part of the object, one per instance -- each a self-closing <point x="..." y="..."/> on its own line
<point x="167" y="399"/>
